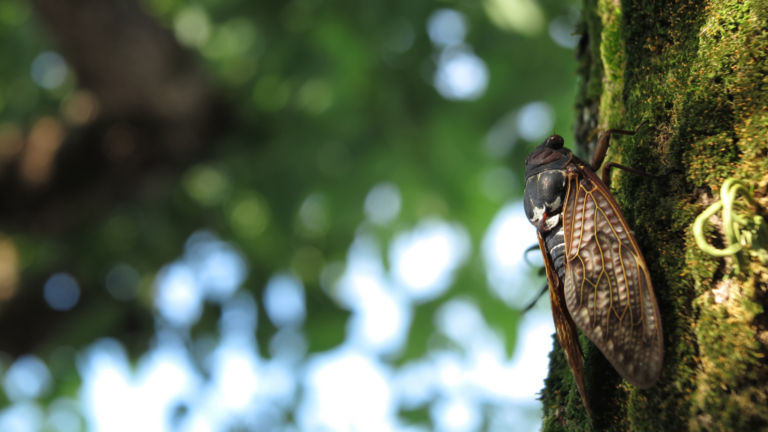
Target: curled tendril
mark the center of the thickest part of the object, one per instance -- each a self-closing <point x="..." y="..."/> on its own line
<point x="745" y="230"/>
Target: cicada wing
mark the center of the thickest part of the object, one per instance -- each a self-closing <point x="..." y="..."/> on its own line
<point x="565" y="327"/>
<point x="607" y="283"/>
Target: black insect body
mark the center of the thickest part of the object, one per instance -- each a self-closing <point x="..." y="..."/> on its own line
<point x="545" y="190"/>
<point x="597" y="277"/>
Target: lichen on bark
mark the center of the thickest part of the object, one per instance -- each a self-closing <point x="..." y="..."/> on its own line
<point x="698" y="73"/>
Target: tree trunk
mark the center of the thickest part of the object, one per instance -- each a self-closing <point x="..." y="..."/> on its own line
<point x="698" y="73"/>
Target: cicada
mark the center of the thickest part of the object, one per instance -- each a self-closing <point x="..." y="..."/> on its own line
<point x="598" y="280"/>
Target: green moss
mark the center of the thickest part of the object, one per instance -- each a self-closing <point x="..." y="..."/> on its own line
<point x="562" y="405"/>
<point x="612" y="56"/>
<point x="698" y="71"/>
<point x="593" y="69"/>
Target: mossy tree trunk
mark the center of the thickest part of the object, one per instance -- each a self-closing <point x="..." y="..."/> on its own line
<point x="697" y="71"/>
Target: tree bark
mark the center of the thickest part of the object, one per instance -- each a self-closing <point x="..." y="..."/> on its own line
<point x="698" y="73"/>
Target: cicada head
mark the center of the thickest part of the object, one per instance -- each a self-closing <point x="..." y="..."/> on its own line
<point x="545" y="181"/>
<point x="554" y="142"/>
<point x="551" y="150"/>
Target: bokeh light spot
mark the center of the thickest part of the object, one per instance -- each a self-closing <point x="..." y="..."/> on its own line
<point x="288" y="345"/>
<point x="9" y="267"/>
<point x="43" y="144"/>
<point x="461" y="75"/>
<point x="249" y="215"/>
<point x="315" y="96"/>
<point x="123" y="282"/>
<point x="80" y="108"/>
<point x="508" y="236"/>
<point x="456" y="415"/>
<point x="219" y="268"/>
<point x="239" y="379"/>
<point x="22" y="417"/>
<point x="520" y="16"/>
<point x="382" y="204"/>
<point x="415" y="383"/>
<point x="284" y="300"/>
<point x="61" y="292"/>
<point x="207" y="185"/>
<point x="120" y="397"/>
<point x="346" y="391"/>
<point x="535" y="121"/>
<point x="27" y="378"/>
<point x="447" y="27"/>
<point x="314" y="219"/>
<point x="239" y="315"/>
<point x="234" y="38"/>
<point x="177" y="297"/>
<point x="424" y="259"/>
<point x="63" y="416"/>
<point x="49" y="70"/>
<point x="461" y="320"/>
<point x="499" y="183"/>
<point x="561" y="31"/>
<point x="192" y="26"/>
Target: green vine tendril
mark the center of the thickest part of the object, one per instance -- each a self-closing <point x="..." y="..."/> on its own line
<point x="745" y="230"/>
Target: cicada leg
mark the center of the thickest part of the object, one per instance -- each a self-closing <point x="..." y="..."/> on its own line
<point x="602" y="148"/>
<point x="525" y="254"/>
<point x="606" y="174"/>
<point x="536" y="299"/>
<point x="604" y="141"/>
<point x="542" y="272"/>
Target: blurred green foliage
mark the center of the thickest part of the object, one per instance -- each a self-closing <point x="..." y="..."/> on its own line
<point x="330" y="98"/>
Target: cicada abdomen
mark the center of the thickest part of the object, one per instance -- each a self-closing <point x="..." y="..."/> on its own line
<point x="597" y="277"/>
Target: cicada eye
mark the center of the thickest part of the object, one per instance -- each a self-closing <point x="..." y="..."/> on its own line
<point x="555" y="142"/>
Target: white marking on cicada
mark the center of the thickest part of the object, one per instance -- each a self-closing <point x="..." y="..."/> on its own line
<point x="552" y="221"/>
<point x="538" y="212"/>
<point x="557" y="203"/>
<point x="599" y="332"/>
